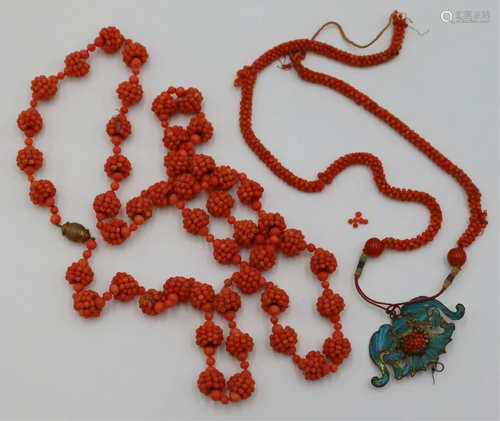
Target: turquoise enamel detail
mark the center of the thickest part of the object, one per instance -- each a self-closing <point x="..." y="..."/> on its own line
<point x="415" y="340"/>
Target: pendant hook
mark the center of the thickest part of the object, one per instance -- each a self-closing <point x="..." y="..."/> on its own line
<point x="436" y="368"/>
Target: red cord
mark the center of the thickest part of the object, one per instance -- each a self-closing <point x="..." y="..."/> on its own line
<point x="393" y="309"/>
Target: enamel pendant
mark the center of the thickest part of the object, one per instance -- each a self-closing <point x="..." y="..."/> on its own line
<point x="415" y="340"/>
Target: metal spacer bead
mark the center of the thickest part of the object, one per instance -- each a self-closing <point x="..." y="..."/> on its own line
<point x="75" y="232"/>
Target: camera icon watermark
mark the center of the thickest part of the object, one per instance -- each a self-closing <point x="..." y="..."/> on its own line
<point x="466" y="16"/>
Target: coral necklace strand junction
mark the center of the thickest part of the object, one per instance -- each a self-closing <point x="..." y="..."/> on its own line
<point x="411" y="344"/>
<point x="190" y="174"/>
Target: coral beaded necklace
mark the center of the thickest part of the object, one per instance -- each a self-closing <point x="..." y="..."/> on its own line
<point x="413" y="342"/>
<point x="189" y="175"/>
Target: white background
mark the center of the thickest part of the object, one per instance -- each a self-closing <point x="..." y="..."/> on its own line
<point x="444" y="85"/>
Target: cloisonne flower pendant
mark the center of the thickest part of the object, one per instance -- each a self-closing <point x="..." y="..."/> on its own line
<point x="415" y="340"/>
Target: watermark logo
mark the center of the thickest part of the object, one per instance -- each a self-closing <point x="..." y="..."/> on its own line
<point x="465" y="16"/>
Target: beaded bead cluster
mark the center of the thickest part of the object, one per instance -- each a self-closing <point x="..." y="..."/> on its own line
<point x="189" y="175"/>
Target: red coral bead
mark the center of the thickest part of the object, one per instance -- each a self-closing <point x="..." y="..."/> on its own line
<point x="323" y="261"/>
<point x="179" y="286"/>
<point x="41" y="191"/>
<point x="202" y="127"/>
<point x="118" y="164"/>
<point x="292" y="242"/>
<point x="274" y="297"/>
<point x="129" y="93"/>
<point x="220" y="203"/>
<point x="312" y="365"/>
<point x="88" y="304"/>
<point x="30" y="119"/>
<point x="226" y="176"/>
<point x="225" y="250"/>
<point x="268" y="221"/>
<point x="211" y="380"/>
<point x="164" y="106"/>
<point x="241" y="386"/>
<point x="134" y="51"/>
<point x="248" y="279"/>
<point x="238" y="342"/>
<point x="176" y="163"/>
<point x="227" y="300"/>
<point x="283" y="339"/>
<point x="196" y="221"/>
<point x="29" y="160"/>
<point x="148" y="301"/>
<point x="43" y="88"/>
<point x="209" y="334"/>
<point x="250" y="192"/>
<point x="457" y="257"/>
<point x="80" y="272"/>
<point x="201" y="294"/>
<point x="139" y="206"/>
<point x="245" y="232"/>
<point x="160" y="192"/>
<point x="174" y="137"/>
<point x="186" y="187"/>
<point x="76" y="65"/>
<point x="202" y="165"/>
<point x="112" y="39"/>
<point x="115" y="231"/>
<point x="124" y="287"/>
<point x="190" y="101"/>
<point x="330" y="304"/>
<point x="119" y="125"/>
<point x="337" y="349"/>
<point x="262" y="257"/>
<point x="374" y="247"/>
<point x="107" y="204"/>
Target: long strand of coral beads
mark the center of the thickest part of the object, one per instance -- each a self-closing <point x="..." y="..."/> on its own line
<point x="189" y="174"/>
<point x="296" y="51"/>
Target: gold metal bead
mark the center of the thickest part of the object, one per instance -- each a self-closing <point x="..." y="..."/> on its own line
<point x="75" y="232"/>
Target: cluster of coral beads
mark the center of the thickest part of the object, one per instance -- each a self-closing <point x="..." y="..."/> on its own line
<point x="357" y="220"/>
